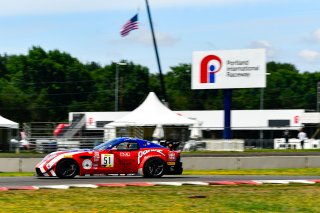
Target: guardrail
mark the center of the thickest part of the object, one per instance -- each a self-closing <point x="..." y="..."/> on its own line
<point x="196" y="163"/>
<point x="47" y="145"/>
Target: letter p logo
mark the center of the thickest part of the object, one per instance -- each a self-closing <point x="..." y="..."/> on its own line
<point x="210" y="65"/>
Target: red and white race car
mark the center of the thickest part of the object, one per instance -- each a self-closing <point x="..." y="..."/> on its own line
<point x="116" y="156"/>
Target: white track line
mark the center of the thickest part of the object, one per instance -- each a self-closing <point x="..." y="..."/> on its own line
<point x="83" y="186"/>
<point x="54" y="187"/>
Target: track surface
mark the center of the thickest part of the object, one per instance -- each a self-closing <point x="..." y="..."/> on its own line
<point x="35" y="181"/>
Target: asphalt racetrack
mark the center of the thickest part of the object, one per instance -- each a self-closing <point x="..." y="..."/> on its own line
<point x="40" y="181"/>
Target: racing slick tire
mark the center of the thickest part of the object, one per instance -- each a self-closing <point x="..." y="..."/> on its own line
<point x="154" y="168"/>
<point x="178" y="169"/>
<point x="67" y="168"/>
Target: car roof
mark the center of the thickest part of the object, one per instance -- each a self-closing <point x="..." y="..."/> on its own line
<point x="141" y="142"/>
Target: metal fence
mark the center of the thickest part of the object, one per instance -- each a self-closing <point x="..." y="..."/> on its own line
<point x="41" y="138"/>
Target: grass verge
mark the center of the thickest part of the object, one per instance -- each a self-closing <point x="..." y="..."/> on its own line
<point x="16" y="174"/>
<point x="265" y="198"/>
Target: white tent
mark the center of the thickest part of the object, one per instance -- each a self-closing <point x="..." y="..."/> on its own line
<point x="151" y="113"/>
<point x="7" y="123"/>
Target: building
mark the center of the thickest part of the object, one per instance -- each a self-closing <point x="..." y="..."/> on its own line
<point x="257" y="127"/>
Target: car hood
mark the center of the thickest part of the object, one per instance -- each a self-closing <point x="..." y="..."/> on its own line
<point x="64" y="153"/>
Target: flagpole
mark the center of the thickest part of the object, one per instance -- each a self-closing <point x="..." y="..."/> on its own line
<point x="162" y="83"/>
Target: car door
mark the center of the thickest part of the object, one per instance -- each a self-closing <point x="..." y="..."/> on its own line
<point x="110" y="163"/>
<point x="127" y="153"/>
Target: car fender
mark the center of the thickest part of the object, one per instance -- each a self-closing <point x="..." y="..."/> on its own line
<point x="58" y="159"/>
<point x="146" y="158"/>
<point x="79" y="159"/>
<point x="48" y="166"/>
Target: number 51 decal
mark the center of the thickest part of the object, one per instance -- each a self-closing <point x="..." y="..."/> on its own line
<point x="107" y="160"/>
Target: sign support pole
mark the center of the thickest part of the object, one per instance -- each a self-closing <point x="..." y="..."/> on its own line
<point x="227" y="95"/>
<point x="162" y="83"/>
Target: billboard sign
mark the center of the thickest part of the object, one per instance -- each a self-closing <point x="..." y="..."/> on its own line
<point x="228" y="69"/>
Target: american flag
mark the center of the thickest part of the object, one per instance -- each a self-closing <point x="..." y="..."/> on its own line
<point x="132" y="24"/>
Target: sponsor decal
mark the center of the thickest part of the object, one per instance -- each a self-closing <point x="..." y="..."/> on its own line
<point x="143" y="153"/>
<point x="87" y="164"/>
<point x="227" y="69"/>
<point x="68" y="156"/>
<point x="124" y="154"/>
<point x="171" y="163"/>
<point x="96" y="157"/>
<point x="171" y="156"/>
<point x="95" y="166"/>
<point x="107" y="160"/>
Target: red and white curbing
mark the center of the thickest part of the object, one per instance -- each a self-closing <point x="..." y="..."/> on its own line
<point x="144" y="184"/>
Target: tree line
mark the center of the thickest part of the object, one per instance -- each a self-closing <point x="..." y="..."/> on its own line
<point x="44" y="86"/>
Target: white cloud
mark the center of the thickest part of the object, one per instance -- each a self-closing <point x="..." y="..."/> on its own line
<point x="310" y="56"/>
<point x="163" y="39"/>
<point x="31" y="7"/>
<point x="312" y="37"/>
<point x="271" y="51"/>
<point x="144" y="37"/>
<point x="316" y="35"/>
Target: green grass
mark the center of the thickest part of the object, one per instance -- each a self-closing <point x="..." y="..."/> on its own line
<point x="22" y="154"/>
<point x="16" y="174"/>
<point x="265" y="198"/>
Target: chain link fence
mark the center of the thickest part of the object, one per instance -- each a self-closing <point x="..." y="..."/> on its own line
<point x="44" y="137"/>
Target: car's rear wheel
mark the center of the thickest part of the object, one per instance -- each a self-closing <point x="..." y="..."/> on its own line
<point x="67" y="168"/>
<point x="178" y="168"/>
<point x="154" y="168"/>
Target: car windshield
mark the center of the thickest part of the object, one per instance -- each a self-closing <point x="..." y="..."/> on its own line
<point x="105" y="145"/>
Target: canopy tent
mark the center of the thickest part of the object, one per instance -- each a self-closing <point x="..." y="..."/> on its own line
<point x="7" y="123"/>
<point x="152" y="113"/>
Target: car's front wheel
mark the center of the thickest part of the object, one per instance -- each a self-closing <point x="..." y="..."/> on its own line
<point x="154" y="168"/>
<point x="67" y="168"/>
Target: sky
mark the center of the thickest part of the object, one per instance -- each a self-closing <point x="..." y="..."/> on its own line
<point x="90" y="30"/>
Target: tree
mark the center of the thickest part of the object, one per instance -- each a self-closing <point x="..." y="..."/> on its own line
<point x="133" y="86"/>
<point x="50" y="81"/>
<point x="182" y="97"/>
<point x="45" y="86"/>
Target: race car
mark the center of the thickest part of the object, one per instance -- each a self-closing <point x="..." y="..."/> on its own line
<point x="117" y="156"/>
